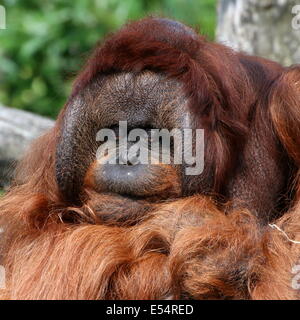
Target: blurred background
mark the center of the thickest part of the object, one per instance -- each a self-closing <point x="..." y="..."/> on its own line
<point x="46" y="42"/>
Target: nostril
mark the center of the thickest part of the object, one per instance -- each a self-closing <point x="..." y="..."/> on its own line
<point x="130" y="160"/>
<point x="133" y="160"/>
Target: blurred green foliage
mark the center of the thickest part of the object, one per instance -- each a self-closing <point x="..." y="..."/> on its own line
<point x="47" y="41"/>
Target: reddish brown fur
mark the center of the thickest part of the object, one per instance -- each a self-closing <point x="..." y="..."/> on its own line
<point x="185" y="249"/>
<point x="182" y="248"/>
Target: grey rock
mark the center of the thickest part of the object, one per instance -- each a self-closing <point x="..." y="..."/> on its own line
<point x="267" y="28"/>
<point x="17" y="130"/>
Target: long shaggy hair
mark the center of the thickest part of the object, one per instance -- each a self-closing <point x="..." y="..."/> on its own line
<point x="184" y="248"/>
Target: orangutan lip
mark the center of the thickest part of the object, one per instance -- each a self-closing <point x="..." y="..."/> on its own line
<point x="136" y="182"/>
<point x="128" y="196"/>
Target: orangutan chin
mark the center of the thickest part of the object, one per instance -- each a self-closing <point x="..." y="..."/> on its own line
<point x="75" y="228"/>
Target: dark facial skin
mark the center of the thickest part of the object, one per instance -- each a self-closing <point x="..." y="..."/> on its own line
<point x="145" y="101"/>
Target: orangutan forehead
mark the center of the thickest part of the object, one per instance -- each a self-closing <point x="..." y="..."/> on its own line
<point x="150" y="94"/>
<point x="146" y="85"/>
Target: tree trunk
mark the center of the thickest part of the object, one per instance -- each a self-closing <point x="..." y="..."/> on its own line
<point x="267" y="28"/>
<point x="17" y="130"/>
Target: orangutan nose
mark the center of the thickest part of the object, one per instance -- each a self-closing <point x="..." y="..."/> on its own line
<point x="129" y="159"/>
